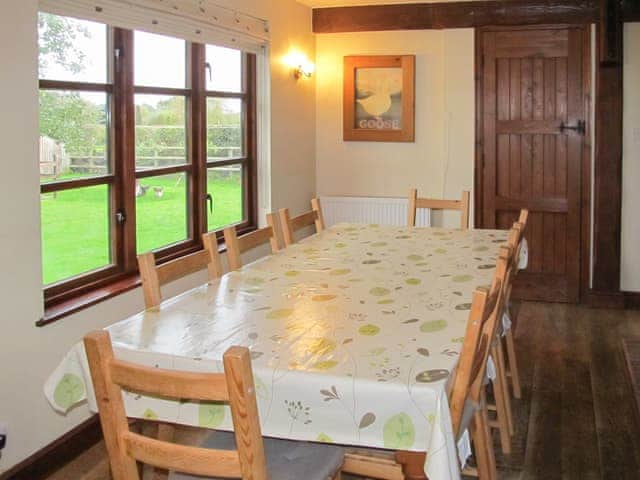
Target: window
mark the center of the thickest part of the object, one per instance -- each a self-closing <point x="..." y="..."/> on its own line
<point x="146" y="142"/>
<point x="161" y="156"/>
<point x="228" y="160"/>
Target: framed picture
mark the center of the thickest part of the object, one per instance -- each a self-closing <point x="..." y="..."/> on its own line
<point x="379" y="98"/>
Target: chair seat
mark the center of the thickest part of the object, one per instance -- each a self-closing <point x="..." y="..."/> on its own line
<point x="286" y="459"/>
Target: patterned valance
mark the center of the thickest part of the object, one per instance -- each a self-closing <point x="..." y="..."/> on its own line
<point x="195" y="20"/>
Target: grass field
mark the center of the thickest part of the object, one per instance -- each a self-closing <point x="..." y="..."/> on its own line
<point x="75" y="223"/>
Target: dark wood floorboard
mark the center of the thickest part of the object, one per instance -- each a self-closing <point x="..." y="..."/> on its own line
<point x="580" y="456"/>
<point x="631" y="348"/>
<point x="616" y="425"/>
<point x="576" y="418"/>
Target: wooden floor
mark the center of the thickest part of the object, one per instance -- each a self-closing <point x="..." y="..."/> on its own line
<point x="577" y="418"/>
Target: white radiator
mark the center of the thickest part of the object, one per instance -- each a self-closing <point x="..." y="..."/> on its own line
<point x="382" y="210"/>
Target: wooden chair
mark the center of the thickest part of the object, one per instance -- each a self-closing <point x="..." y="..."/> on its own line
<point x="237" y="245"/>
<point x="467" y="397"/>
<point x="512" y="361"/>
<point x="235" y="386"/>
<point x="291" y="225"/>
<point x="154" y="276"/>
<point x="433" y="204"/>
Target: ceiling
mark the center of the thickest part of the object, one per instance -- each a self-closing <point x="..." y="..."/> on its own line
<point x="344" y="3"/>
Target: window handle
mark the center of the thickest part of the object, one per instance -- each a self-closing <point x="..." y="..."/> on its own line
<point x="207" y="66"/>
<point x="120" y="217"/>
<point x="209" y="200"/>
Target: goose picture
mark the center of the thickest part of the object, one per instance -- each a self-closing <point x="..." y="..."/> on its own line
<point x="378" y="93"/>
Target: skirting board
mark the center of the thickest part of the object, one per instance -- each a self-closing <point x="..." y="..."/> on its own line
<point x="59" y="452"/>
<point x="617" y="300"/>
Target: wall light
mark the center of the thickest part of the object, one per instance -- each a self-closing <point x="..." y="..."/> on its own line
<point x="300" y="64"/>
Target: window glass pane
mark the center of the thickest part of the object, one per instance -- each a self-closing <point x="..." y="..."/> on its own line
<point x="71" y="50"/>
<point x="73" y="135"/>
<point x="159" y="61"/>
<point x="224" y="128"/>
<point x="225" y="74"/>
<point x="224" y="184"/>
<point x="160" y="131"/>
<point x="161" y="211"/>
<point x="75" y="232"/>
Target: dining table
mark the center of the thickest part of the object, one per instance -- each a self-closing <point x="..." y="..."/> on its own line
<point x="354" y="333"/>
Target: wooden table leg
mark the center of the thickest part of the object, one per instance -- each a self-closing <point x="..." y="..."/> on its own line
<point x="412" y="464"/>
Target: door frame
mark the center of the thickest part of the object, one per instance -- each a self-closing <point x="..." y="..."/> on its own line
<point x="587" y="150"/>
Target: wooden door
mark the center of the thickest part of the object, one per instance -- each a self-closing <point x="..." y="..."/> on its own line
<point x="531" y="142"/>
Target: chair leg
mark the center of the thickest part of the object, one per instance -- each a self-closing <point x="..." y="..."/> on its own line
<point x="498" y="391"/>
<point x="481" y="436"/>
<point x="502" y="371"/>
<point x="513" y="364"/>
<point x="412" y="464"/>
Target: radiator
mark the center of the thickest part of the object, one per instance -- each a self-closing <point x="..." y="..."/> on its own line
<point x="382" y="210"/>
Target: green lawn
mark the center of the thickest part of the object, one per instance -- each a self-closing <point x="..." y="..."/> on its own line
<point x="75" y="223"/>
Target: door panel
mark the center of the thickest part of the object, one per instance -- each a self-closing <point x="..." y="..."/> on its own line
<point x="531" y="89"/>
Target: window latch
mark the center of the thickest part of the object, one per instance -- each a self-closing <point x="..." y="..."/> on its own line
<point x="120" y="217"/>
<point x="207" y="67"/>
<point x="209" y="200"/>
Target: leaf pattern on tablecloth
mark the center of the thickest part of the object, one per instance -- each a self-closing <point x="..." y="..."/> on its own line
<point x="149" y="414"/>
<point x="70" y="389"/>
<point x="433" y="326"/>
<point x="211" y="414"/>
<point x="323" y="437"/>
<point x="399" y="432"/>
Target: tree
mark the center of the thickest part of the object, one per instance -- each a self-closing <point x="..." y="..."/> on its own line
<point x="67" y="117"/>
<point x="70" y="119"/>
<point x="58" y="42"/>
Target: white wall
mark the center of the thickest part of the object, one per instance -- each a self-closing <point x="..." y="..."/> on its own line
<point x="630" y="266"/>
<point x="441" y="160"/>
<point x="27" y="353"/>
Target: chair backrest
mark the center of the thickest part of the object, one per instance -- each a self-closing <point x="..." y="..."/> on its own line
<point x="523" y="218"/>
<point x="154" y="276"/>
<point x="125" y="447"/>
<point x="291" y="225"/>
<point x="481" y="325"/>
<point x="434" y="204"/>
<point x="515" y="242"/>
<point x="237" y="245"/>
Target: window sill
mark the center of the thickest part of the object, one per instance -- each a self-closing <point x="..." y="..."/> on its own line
<point x="81" y="302"/>
<point x="63" y="309"/>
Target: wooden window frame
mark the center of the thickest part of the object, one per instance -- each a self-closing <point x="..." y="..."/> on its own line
<point x="86" y="289"/>
<point x="249" y="152"/>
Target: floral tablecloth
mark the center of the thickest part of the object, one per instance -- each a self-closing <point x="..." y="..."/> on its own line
<point x="353" y="334"/>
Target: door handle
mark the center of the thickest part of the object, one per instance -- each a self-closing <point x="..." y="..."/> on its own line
<point x="581" y="127"/>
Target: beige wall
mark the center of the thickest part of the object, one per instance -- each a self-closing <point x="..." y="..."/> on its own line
<point x="440" y="161"/>
<point x="630" y="272"/>
<point x="293" y="106"/>
<point x="28" y="354"/>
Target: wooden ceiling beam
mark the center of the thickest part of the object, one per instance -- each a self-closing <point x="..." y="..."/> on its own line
<point x="424" y="16"/>
<point x="630" y="10"/>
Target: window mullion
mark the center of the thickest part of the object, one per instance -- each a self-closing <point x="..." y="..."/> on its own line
<point x="198" y="140"/>
<point x="124" y="158"/>
<point x="250" y="138"/>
